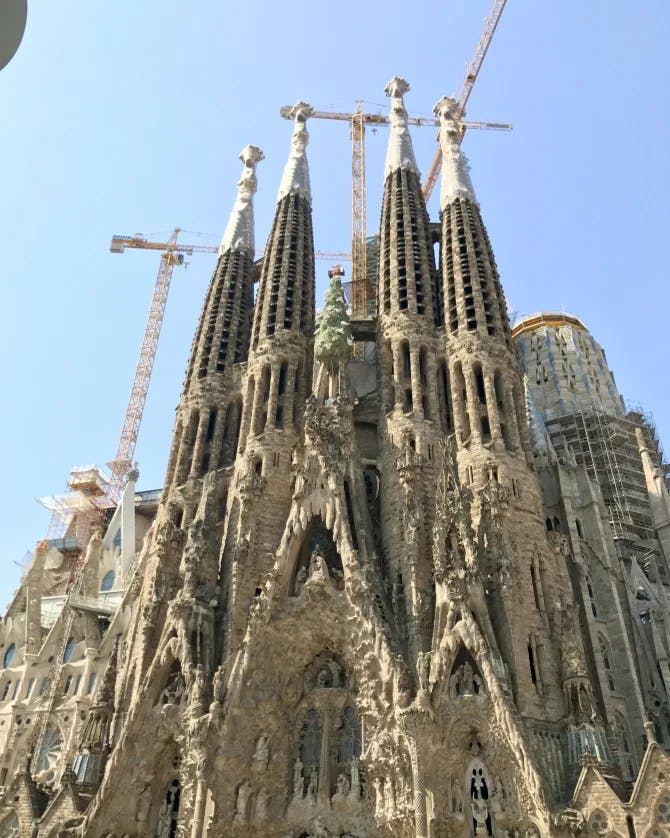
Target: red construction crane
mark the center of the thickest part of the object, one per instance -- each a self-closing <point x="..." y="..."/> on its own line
<point x="471" y="75"/>
<point x="361" y="291"/>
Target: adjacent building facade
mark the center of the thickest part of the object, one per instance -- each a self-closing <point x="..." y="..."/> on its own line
<point x="418" y="589"/>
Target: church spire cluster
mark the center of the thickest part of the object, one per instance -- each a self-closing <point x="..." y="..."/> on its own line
<point x="357" y="610"/>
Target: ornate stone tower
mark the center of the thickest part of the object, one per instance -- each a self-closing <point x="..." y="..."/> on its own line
<point x="412" y="421"/>
<point x="350" y="618"/>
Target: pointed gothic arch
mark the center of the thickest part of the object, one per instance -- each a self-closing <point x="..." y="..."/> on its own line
<point x="478" y="791"/>
<point x="318" y="554"/>
<point x="465" y="678"/>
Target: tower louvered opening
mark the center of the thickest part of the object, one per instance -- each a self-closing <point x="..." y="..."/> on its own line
<point x="474" y="298"/>
<point x="286" y="294"/>
<point x="222" y="337"/>
<point x="407" y="265"/>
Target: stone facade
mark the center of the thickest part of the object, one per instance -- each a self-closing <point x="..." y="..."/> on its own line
<point x="380" y="595"/>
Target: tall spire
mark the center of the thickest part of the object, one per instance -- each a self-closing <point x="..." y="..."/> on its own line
<point x="296" y="172"/>
<point x="456" y="182"/>
<point x="285" y="298"/>
<point x="239" y="233"/>
<point x="222" y="337"/>
<point x="407" y="277"/>
<point x="400" y="154"/>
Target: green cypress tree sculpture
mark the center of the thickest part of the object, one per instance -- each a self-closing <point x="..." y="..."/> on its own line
<point x="332" y="345"/>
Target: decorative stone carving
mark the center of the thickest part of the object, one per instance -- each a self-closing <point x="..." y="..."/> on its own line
<point x="298" y="782"/>
<point x="262" y="752"/>
<point x="261" y="806"/>
<point x="174" y="690"/>
<point x="343" y="788"/>
<point x="243" y="804"/>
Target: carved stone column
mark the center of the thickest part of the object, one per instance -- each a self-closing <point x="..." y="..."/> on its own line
<point x="200" y="802"/>
<point x="412" y="721"/>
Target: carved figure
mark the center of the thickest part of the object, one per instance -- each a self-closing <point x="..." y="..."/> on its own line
<point x="465" y="681"/>
<point x="174" y="690"/>
<point x="219" y="685"/>
<point x="379" y="797"/>
<point x="244" y="793"/>
<point x="298" y="782"/>
<point x="479" y="802"/>
<point x="300" y="579"/>
<point x="456" y="798"/>
<point x="261" y="807"/>
<point x="318" y="567"/>
<point x="198" y="687"/>
<point x="355" y="778"/>
<point x="262" y="753"/>
<point x="342" y="787"/>
<point x="313" y="785"/>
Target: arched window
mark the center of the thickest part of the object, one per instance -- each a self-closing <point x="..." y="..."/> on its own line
<point x="310" y="749"/>
<point x="108" y="581"/>
<point x="9" y="655"/>
<point x="624" y="742"/>
<point x="349" y="740"/>
<point x="69" y="649"/>
<point x="592" y="596"/>
<point x="606" y="656"/>
<point x="329" y="726"/>
<point x="168" y="817"/>
<point x="48" y="755"/>
<point x="317" y="554"/>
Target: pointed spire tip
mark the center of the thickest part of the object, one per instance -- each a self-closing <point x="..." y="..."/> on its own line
<point x="456" y="182"/>
<point x="239" y="233"/>
<point x="400" y="154"/>
<point x="296" y="172"/>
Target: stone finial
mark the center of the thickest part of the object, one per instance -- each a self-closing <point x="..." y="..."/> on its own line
<point x="400" y="154"/>
<point x="296" y="172"/>
<point x="397" y="88"/>
<point x="456" y="182"/>
<point x="239" y="234"/>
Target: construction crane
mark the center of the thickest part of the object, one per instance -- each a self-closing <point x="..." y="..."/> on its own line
<point x="361" y="292"/>
<point x="471" y="74"/>
<point x="172" y="255"/>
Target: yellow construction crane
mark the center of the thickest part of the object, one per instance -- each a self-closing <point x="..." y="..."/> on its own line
<point x="471" y="74"/>
<point x="358" y="121"/>
<point x="172" y="254"/>
<point x="361" y="291"/>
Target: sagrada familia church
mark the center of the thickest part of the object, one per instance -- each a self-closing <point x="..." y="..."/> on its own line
<point x="407" y="576"/>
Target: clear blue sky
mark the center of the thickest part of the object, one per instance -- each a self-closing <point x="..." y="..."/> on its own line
<point x="128" y="117"/>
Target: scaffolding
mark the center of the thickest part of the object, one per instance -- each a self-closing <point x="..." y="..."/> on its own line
<point x="77" y="512"/>
<point x="607" y="447"/>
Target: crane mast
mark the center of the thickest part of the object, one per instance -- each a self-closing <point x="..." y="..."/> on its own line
<point x="471" y="74"/>
<point x="361" y="291"/>
<point x="359" y="302"/>
<point x="145" y="363"/>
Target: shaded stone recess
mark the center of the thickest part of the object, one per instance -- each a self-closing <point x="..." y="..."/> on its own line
<point x="409" y="589"/>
